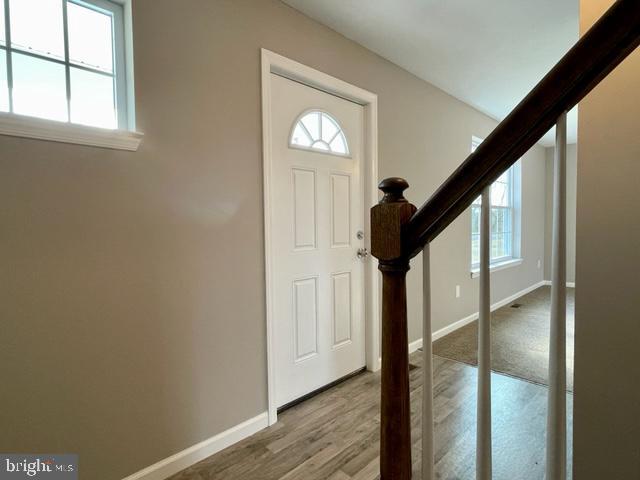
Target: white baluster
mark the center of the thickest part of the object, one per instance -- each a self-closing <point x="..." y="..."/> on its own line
<point x="427" y="370"/>
<point x="557" y="406"/>
<point x="483" y="439"/>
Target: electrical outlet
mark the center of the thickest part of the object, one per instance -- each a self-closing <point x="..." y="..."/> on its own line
<point x="457" y="291"/>
<point x="539" y="263"/>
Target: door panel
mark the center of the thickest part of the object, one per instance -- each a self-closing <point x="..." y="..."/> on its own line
<point x="317" y="211"/>
<point x="341" y="308"/>
<point x="340" y="210"/>
<point x="304" y="208"/>
<point x="305" y="321"/>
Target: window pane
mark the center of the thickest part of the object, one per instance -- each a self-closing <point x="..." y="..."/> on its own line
<point x="39" y="88"/>
<point x="495" y="245"/>
<point x="90" y="37"/>
<point x="320" y="145"/>
<point x="4" y="86"/>
<point x="500" y="194"/>
<point x="500" y="245"/>
<point x="37" y="25"/>
<point x="329" y="129"/>
<point x="92" y="100"/>
<point x="475" y="219"/>
<point x="504" y="216"/>
<point x="338" y="145"/>
<point x="301" y="137"/>
<point x="498" y="218"/>
<point x="475" y="249"/>
<point x="312" y="122"/>
<point x="505" y="177"/>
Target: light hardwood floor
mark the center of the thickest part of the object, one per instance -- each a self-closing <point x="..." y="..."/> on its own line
<point x="335" y="434"/>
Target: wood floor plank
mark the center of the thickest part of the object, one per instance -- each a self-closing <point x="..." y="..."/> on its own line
<point x="335" y="435"/>
<point x="310" y="467"/>
<point x="370" y="471"/>
<point x="339" y="475"/>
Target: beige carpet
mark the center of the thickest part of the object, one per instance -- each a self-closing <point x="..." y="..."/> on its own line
<point x="519" y="339"/>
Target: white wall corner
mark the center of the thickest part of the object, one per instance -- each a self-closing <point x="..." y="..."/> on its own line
<point x="192" y="455"/>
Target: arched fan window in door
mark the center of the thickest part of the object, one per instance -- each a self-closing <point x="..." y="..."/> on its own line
<point x="319" y="131"/>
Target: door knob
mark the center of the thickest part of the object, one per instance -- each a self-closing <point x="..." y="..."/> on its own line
<point x="362" y="253"/>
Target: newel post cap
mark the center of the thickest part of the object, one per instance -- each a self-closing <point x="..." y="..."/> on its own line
<point x="387" y="220"/>
<point x="393" y="188"/>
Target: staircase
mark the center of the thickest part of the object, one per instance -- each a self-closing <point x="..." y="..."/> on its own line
<point x="400" y="232"/>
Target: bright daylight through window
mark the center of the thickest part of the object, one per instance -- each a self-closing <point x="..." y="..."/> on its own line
<point x="504" y="232"/>
<point x="63" y="60"/>
<point x="319" y="131"/>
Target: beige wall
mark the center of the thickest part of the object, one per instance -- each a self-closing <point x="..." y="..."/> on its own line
<point x="131" y="296"/>
<point x="572" y="171"/>
<point x="607" y="369"/>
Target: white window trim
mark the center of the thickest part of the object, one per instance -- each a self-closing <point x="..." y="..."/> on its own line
<point x="497" y="266"/>
<point x="42" y="129"/>
<point x="16" y="125"/>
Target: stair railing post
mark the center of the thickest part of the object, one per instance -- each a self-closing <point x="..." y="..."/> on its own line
<point x="557" y="401"/>
<point x="427" y="369"/>
<point x="387" y="221"/>
<point x="483" y="434"/>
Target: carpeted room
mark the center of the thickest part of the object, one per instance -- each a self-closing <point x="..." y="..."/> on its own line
<point x="519" y="338"/>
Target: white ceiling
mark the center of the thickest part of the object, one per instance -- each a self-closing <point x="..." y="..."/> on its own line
<point x="487" y="53"/>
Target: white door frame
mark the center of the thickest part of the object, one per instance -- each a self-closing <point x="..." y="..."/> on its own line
<point x="274" y="63"/>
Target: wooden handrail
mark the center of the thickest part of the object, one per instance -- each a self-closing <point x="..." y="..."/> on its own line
<point x="592" y="58"/>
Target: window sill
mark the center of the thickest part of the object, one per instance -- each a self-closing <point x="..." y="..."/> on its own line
<point x="51" y="130"/>
<point x="514" y="262"/>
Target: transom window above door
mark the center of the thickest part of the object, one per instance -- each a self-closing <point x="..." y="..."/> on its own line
<point x="64" y="60"/>
<point x="319" y="131"/>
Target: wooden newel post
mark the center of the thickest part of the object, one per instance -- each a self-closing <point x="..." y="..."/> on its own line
<point x="387" y="220"/>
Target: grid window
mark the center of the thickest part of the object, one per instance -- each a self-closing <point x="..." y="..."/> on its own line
<point x="63" y="60"/>
<point x="503" y="213"/>
<point x="316" y="130"/>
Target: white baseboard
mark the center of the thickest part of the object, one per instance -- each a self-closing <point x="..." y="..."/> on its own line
<point x="569" y="284"/>
<point x="414" y="346"/>
<point x="417" y="344"/>
<point x="181" y="460"/>
<point x="465" y="321"/>
<point x="453" y="327"/>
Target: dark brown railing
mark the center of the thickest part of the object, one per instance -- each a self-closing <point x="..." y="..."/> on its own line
<point x="399" y="232"/>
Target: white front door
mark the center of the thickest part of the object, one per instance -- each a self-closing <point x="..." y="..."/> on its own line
<point x="317" y="223"/>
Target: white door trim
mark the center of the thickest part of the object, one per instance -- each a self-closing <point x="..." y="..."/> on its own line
<point x="274" y="63"/>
